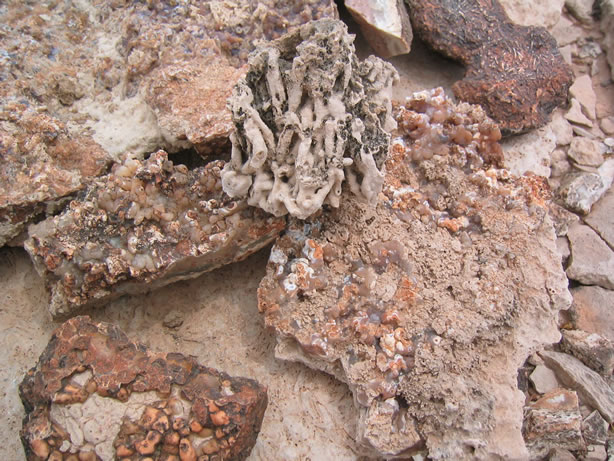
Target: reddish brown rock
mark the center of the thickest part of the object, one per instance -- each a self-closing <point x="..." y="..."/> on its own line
<point x="96" y="393"/>
<point x="145" y="225"/>
<point x="515" y="72"/>
<point x="400" y="300"/>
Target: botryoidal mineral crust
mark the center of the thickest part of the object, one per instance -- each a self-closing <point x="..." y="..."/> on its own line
<point x="146" y="224"/>
<point x="308" y="115"/>
<point x="428" y="304"/>
<point x="96" y="395"/>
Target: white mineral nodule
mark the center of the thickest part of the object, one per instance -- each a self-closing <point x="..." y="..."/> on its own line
<point x="307" y="116"/>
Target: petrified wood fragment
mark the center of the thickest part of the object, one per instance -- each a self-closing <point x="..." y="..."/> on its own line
<point x="427" y="304"/>
<point x="515" y="72"/>
<point x="146" y="224"/>
<point x="96" y="395"/>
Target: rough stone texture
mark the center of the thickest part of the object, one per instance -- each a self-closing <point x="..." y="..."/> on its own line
<point x="592" y="261"/>
<point x="94" y="390"/>
<point x="530" y="152"/>
<point x="582" y="10"/>
<point x="384" y="23"/>
<point x="607" y="27"/>
<point x="607" y="125"/>
<point x="596" y="453"/>
<point x="543" y="379"/>
<point x="553" y="421"/>
<point x="592" y="388"/>
<point x="308" y="115"/>
<point x="544" y="13"/>
<point x="593" y="310"/>
<point x="146" y="224"/>
<point x="582" y="90"/>
<point x="41" y="166"/>
<point x="588" y="152"/>
<point x="515" y="72"/>
<point x="595" y="429"/>
<point x="353" y="292"/>
<point x="561" y="128"/>
<point x="575" y="115"/>
<point x="601" y="217"/>
<point x="561" y="218"/>
<point x="594" y="350"/>
<point x="560" y="454"/>
<point x="579" y="191"/>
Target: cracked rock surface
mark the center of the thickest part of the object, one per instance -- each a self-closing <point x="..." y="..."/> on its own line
<point x="458" y="261"/>
<point x="97" y="395"/>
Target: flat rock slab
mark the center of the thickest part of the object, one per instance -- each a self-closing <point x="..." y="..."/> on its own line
<point x="96" y="393"/>
<point x="457" y="261"/>
<point x="593" y="349"/>
<point x="591" y="387"/>
<point x="592" y="261"/>
<point x="515" y="72"/>
<point x="145" y="225"/>
<point x="593" y="310"/>
<point x="601" y="217"/>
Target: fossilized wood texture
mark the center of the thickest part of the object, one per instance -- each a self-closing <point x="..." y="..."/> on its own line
<point x="426" y="304"/>
<point x="145" y="225"/>
<point x="96" y="393"/>
<point x="515" y="73"/>
<point x="41" y="166"/>
<point x="308" y="114"/>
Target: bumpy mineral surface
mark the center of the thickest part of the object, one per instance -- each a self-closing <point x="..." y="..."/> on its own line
<point x="427" y="304"/>
<point x="146" y="224"/>
<point x="308" y="114"/>
<point x="516" y="73"/>
<point x="96" y="395"/>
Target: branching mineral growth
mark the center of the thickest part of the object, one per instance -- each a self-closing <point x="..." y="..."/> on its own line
<point x="96" y="395"/>
<point x="427" y="305"/>
<point x="307" y="115"/>
<point x="146" y="224"/>
<point x="516" y="73"/>
<point x="41" y="166"/>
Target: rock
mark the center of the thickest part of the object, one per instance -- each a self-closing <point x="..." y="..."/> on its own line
<point x="561" y="218"/>
<point x="559" y="165"/>
<point x="607" y="125"/>
<point x="575" y="115"/>
<point x="579" y="191"/>
<point x="384" y="24"/>
<point x="593" y="310"/>
<point x="560" y="454"/>
<point x="566" y="32"/>
<point x="543" y="379"/>
<point x="591" y="387"/>
<point x="562" y="245"/>
<point x="601" y="217"/>
<point x="352" y="292"/>
<point x="586" y="151"/>
<point x="43" y="167"/>
<point x="146" y="224"/>
<point x="594" y="350"/>
<point x="553" y="421"/>
<point x="607" y="27"/>
<point x="542" y="13"/>
<point x="515" y="72"/>
<point x="93" y="388"/>
<point x="610" y="449"/>
<point x="582" y="10"/>
<point x="595" y="453"/>
<point x="563" y="132"/>
<point x="595" y="429"/>
<point x="582" y="90"/>
<point x="592" y="261"/>
<point x="304" y="123"/>
<point x="530" y="152"/>
<point x="173" y="320"/>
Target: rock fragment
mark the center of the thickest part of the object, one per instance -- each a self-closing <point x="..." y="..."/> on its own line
<point x="579" y="191"/>
<point x="553" y="421"/>
<point x="592" y="388"/>
<point x="530" y="152"/>
<point x="563" y="132"/>
<point x="596" y="453"/>
<point x="592" y="261"/>
<point x="544" y="13"/>
<point x="515" y="72"/>
<point x="607" y="27"/>
<point x="582" y="10"/>
<point x="353" y="291"/>
<point x="593" y="310"/>
<point x="384" y="24"/>
<point x="543" y="379"/>
<point x="601" y="218"/>
<point x="594" y="350"/>
<point x="560" y="454"/>
<point x="588" y="152"/>
<point x="96" y="393"/>
<point x="309" y="115"/>
<point x="582" y="90"/>
<point x="595" y="429"/>
<point x="575" y="115"/>
<point x="145" y="225"/>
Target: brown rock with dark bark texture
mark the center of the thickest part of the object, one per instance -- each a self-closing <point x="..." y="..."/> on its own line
<point x="95" y="391"/>
<point x="515" y="72"/>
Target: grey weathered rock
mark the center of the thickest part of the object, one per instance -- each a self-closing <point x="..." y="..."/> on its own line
<point x="592" y="261"/>
<point x="561" y="218"/>
<point x="559" y="163"/>
<point x="593" y="310"/>
<point x="580" y="191"/>
<point x="560" y="454"/>
<point x="545" y="13"/>
<point x="385" y="25"/>
<point x="582" y="90"/>
<point x="593" y="349"/>
<point x="595" y="429"/>
<point x="586" y="151"/>
<point x="592" y="388"/>
<point x="607" y="27"/>
<point x="553" y="421"/>
<point x="530" y="152"/>
<point x="601" y="217"/>
<point x="582" y="10"/>
<point x="575" y="115"/>
<point x="595" y="453"/>
<point x="543" y="379"/>
<point x="561" y="128"/>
